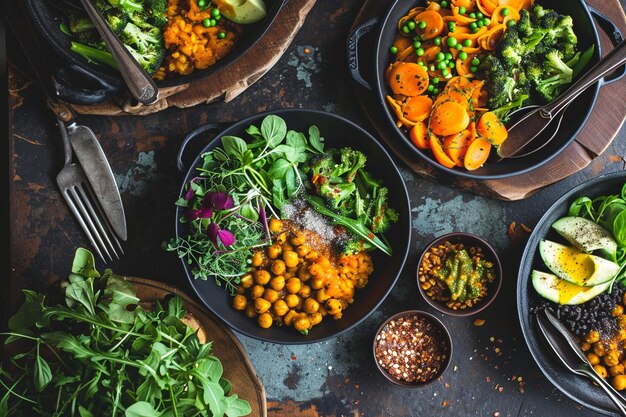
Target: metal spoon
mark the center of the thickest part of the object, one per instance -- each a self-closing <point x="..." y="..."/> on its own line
<point x="139" y="83"/>
<point x="533" y="123"/>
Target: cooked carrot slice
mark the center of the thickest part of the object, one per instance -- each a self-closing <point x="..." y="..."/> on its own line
<point x="453" y="94"/>
<point x="486" y="6"/>
<point x="417" y="108"/>
<point x="477" y="154"/>
<point x="448" y="118"/>
<point x="461" y="19"/>
<point x="471" y="36"/>
<point x="463" y="66"/>
<point x="419" y="135"/>
<point x="490" y="39"/>
<point x="513" y="4"/>
<point x="408" y="78"/>
<point x="439" y="153"/>
<point x="434" y="24"/>
<point x="497" y="16"/>
<point x="430" y="53"/>
<point x="468" y="4"/>
<point x="397" y="108"/>
<point x="526" y="4"/>
<point x="402" y="42"/>
<point x="491" y="128"/>
<point x="456" y="146"/>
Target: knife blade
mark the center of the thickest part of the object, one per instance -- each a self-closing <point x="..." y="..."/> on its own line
<point x="98" y="171"/>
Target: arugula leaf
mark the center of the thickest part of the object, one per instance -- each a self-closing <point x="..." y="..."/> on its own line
<point x="236" y="407"/>
<point x="81" y="292"/>
<point x="84" y="263"/>
<point x="273" y="129"/>
<point x="141" y="409"/>
<point x="42" y="375"/>
<point x="119" y="296"/>
<point x="29" y="312"/>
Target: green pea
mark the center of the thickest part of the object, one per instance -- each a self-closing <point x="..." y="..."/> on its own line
<point x="444" y="4"/>
<point x="417" y="44"/>
<point x="405" y="29"/>
<point x="448" y="56"/>
<point x="475" y="30"/>
<point x="504" y="11"/>
<point x="486" y="21"/>
<point x="473" y="25"/>
<point x="467" y="43"/>
<point x="435" y="81"/>
<point x="421" y="63"/>
<point x="218" y="17"/>
<point x="213" y="22"/>
<point x="430" y="88"/>
<point x="452" y="41"/>
<point x="458" y="46"/>
<point x="462" y="10"/>
<point x="480" y="23"/>
<point x="432" y="68"/>
<point x="463" y="55"/>
<point x="435" y="90"/>
<point x="422" y="24"/>
<point x="420" y="51"/>
<point x="411" y="25"/>
<point x="206" y="22"/>
<point x="473" y="69"/>
<point x="215" y="12"/>
<point x="451" y="64"/>
<point x="445" y="72"/>
<point x="475" y="61"/>
<point x="442" y="65"/>
<point x="479" y="15"/>
<point x="393" y="50"/>
<point x="472" y="15"/>
<point x="201" y="3"/>
<point x="511" y="23"/>
<point x="222" y="35"/>
<point x="437" y="40"/>
<point x="440" y="56"/>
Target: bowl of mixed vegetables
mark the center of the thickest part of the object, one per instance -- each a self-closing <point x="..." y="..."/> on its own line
<point x="293" y="225"/>
<point x="449" y="73"/>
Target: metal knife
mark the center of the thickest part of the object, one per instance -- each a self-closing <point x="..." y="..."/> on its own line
<point x="98" y="171"/>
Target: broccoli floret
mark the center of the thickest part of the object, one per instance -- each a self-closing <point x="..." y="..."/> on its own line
<point x="524" y="25"/>
<point x="511" y="49"/>
<point x="382" y="215"/>
<point x="91" y="38"/>
<point x="351" y="161"/>
<point x="157" y="11"/>
<point x="142" y="40"/>
<point x="503" y="112"/>
<point x="555" y="74"/>
<point x="338" y="196"/>
<point x="321" y="166"/>
<point x="80" y="24"/>
<point x="149" y="59"/>
<point x="353" y="245"/>
<point x="536" y="13"/>
<point x="117" y="21"/>
<point x="129" y="6"/>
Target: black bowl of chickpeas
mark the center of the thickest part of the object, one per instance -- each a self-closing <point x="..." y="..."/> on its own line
<point x="297" y="290"/>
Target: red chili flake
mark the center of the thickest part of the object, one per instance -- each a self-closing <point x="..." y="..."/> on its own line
<point x="293" y="357"/>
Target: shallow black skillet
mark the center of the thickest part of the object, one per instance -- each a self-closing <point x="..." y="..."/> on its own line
<point x="80" y="82"/>
<point x="574" y="118"/>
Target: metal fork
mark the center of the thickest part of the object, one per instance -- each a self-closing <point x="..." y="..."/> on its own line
<point x="81" y="199"/>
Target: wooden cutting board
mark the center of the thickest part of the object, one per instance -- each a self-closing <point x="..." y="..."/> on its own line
<point x="237" y="366"/>
<point x="229" y="82"/>
<point x="603" y="125"/>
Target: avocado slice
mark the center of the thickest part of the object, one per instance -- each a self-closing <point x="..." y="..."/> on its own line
<point x="559" y="291"/>
<point x="242" y="11"/>
<point x="586" y="235"/>
<point x="574" y="266"/>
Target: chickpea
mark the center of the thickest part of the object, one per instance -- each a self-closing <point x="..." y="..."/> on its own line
<point x="273" y="251"/>
<point x="323" y="262"/>
<point x="619" y="382"/>
<point x="321" y="296"/>
<point x="298" y="239"/>
<point x="585" y="346"/>
<point x="278" y="267"/>
<point x="257" y="258"/>
<point x="322" y="311"/>
<point x="292" y="300"/>
<point x="250" y="311"/>
<point x="315" y="270"/>
<point x="270" y="295"/>
<point x="618" y="310"/>
<point x="601" y="370"/>
<point x="315" y="318"/>
<point x="337" y="316"/>
<point x="286" y="247"/>
<point x="261" y="305"/>
<point x="620" y="335"/>
<point x="312" y="256"/>
<point x="281" y="238"/>
<point x="293" y="285"/>
<point x="611" y="358"/>
<point x="598" y="348"/>
<point x="257" y="291"/>
<point x="277" y="283"/>
<point x="616" y="370"/>
<point x="241" y="289"/>
<point x="280" y="308"/>
<point x="333" y="306"/>
<point x="593" y="359"/>
<point x="262" y="277"/>
<point x="265" y="320"/>
<point x="592" y="337"/>
<point x="310" y="306"/>
<point x="621" y="321"/>
<point x="303" y="273"/>
<point x="240" y="302"/>
<point x="289" y="317"/>
<point x="290" y="258"/>
<point x="303" y="250"/>
<point x="275" y="225"/>
<point x="305" y="291"/>
<point x="247" y="281"/>
<point x="302" y="323"/>
<point x="317" y="283"/>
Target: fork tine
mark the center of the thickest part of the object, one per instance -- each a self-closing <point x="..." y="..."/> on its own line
<point x="106" y="222"/>
<point x="87" y="219"/>
<point x="89" y="204"/>
<point x="79" y="217"/>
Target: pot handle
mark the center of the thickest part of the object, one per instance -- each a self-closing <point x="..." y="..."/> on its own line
<point x="191" y="135"/>
<point x="76" y="85"/>
<point x="616" y="38"/>
<point x="353" y="50"/>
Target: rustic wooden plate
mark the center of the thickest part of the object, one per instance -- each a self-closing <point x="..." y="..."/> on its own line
<point x="237" y="366"/>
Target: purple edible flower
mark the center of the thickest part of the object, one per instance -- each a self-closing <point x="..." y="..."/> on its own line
<point x="219" y="201"/>
<point x="214" y="233"/>
<point x="201" y="213"/>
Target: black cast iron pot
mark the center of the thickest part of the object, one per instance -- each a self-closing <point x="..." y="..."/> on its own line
<point x="575" y="115"/>
<point x="81" y="82"/>
<point x="337" y="132"/>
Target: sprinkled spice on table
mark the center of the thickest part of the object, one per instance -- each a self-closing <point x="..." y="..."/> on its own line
<point x="411" y="349"/>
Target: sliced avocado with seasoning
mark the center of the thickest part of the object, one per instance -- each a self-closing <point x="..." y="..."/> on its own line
<point x="242" y="11"/>
<point x="559" y="291"/>
<point x="586" y="235"/>
<point x="575" y="266"/>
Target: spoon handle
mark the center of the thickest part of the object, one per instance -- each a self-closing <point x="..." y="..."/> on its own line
<point x="616" y="398"/>
<point x="139" y="83"/>
<point x="612" y="60"/>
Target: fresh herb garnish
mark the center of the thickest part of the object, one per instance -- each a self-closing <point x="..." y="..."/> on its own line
<point x="102" y="354"/>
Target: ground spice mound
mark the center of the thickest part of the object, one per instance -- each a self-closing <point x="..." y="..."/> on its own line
<point x="412" y="349"/>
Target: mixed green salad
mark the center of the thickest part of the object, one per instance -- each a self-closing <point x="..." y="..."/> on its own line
<point x="101" y="353"/>
<point x="244" y="182"/>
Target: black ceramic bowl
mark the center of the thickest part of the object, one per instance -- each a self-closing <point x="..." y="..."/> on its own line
<point x="439" y="331"/>
<point x="337" y="132"/>
<point x="468" y="240"/>
<point x="574" y="118"/>
<point x="575" y="387"/>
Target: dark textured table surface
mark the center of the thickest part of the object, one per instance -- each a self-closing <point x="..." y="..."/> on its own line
<point x="491" y="373"/>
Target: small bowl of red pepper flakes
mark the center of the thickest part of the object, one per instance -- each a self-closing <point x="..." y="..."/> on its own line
<point x="412" y="348"/>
